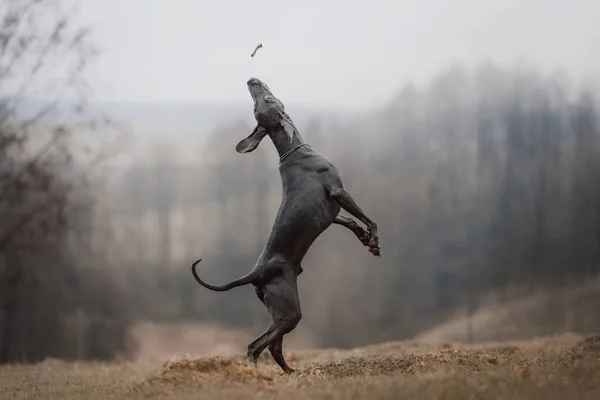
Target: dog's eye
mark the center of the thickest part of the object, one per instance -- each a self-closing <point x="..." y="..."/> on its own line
<point x="268" y="98"/>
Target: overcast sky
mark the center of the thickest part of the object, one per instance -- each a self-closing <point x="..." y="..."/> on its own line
<point x="333" y="53"/>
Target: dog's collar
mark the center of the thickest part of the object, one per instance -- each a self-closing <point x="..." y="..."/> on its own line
<point x="290" y="151"/>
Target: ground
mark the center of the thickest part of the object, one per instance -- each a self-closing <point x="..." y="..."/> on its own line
<point x="560" y="367"/>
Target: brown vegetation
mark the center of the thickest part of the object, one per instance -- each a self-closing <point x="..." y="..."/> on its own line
<point x="544" y="313"/>
<point x="162" y="341"/>
<point x="561" y="367"/>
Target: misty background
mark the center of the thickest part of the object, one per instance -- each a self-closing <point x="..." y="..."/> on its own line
<point x="467" y="130"/>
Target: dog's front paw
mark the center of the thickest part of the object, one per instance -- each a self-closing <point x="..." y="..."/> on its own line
<point x="362" y="235"/>
<point x="376" y="251"/>
<point x="373" y="241"/>
<point x="373" y="238"/>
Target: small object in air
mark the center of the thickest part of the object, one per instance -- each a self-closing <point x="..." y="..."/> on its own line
<point x="258" y="46"/>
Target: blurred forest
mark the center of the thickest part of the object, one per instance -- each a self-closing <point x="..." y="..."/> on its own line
<point x="484" y="185"/>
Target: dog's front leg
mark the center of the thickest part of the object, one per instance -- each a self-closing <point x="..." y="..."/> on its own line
<point x="358" y="230"/>
<point x="347" y="203"/>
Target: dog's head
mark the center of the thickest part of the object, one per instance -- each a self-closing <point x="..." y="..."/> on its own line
<point x="269" y="113"/>
<point x="258" y="89"/>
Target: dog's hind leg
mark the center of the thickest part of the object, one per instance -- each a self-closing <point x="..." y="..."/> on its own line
<point x="260" y="294"/>
<point x="347" y="203"/>
<point x="281" y="299"/>
<point x="258" y="343"/>
<point x="276" y="349"/>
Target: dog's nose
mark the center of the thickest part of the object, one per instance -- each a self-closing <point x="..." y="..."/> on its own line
<point x="251" y="81"/>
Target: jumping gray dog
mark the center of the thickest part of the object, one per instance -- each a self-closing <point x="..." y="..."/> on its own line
<point x="313" y="195"/>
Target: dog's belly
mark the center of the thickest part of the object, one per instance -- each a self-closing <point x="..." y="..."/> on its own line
<point x="300" y="220"/>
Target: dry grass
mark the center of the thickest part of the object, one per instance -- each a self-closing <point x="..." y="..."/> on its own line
<point x="562" y="367"/>
<point x="163" y="341"/>
<point x="569" y="309"/>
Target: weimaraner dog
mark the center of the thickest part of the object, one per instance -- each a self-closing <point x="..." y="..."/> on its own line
<point x="313" y="195"/>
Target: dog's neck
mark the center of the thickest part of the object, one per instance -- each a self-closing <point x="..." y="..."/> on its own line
<point x="282" y="141"/>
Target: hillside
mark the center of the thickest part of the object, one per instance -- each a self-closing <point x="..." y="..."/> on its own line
<point x="562" y="367"/>
<point x="572" y="309"/>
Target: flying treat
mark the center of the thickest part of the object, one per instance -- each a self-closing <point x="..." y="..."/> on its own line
<point x="258" y="46"/>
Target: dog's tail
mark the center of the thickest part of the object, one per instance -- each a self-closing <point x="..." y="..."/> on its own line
<point x="244" y="280"/>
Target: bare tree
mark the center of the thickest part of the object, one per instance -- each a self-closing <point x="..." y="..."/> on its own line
<point x="44" y="171"/>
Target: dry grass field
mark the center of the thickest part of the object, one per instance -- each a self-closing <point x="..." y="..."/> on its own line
<point x="560" y="367"/>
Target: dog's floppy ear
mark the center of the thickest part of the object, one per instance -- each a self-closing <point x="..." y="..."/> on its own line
<point x="287" y="124"/>
<point x="252" y="141"/>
